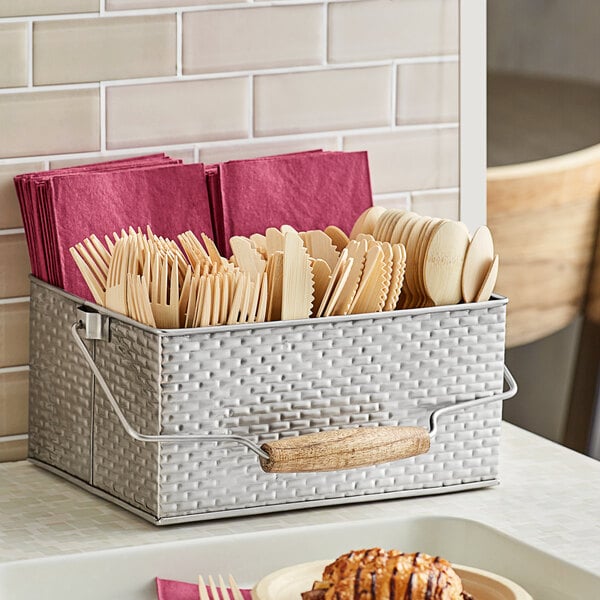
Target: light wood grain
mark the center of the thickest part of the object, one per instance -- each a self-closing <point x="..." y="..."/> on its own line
<point x="443" y="265"/>
<point x="357" y="251"/>
<point x="321" y="276"/>
<point x="478" y="259"/>
<point x="320" y="245"/>
<point x="489" y="281"/>
<point x="367" y="221"/>
<point x="397" y="276"/>
<point x="297" y="290"/>
<point x="274" y="240"/>
<point x="338" y="237"/>
<point x="369" y="293"/>
<point x="543" y="216"/>
<point x="275" y="274"/>
<point x="344" y="449"/>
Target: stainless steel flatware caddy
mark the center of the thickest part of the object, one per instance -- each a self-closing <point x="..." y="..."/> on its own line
<point x="169" y="423"/>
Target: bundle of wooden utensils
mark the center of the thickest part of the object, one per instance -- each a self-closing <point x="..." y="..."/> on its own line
<point x="443" y="264"/>
<point x="285" y="274"/>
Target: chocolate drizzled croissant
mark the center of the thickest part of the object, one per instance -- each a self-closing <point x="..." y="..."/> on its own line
<point x="379" y="575"/>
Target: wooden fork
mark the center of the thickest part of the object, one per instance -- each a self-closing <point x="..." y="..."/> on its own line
<point x="220" y="592"/>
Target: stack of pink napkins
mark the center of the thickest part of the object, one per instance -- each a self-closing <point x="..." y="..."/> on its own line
<point x="307" y="190"/>
<point x="60" y="208"/>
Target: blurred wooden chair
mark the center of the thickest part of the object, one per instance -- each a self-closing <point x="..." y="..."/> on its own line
<point x="544" y="216"/>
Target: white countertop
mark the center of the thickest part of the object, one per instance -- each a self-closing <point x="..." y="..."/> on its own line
<point x="549" y="497"/>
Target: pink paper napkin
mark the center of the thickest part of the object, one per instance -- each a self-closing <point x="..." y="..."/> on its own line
<point x="64" y="206"/>
<point x="308" y="190"/>
<point x="167" y="589"/>
<point x="35" y="203"/>
<point x="169" y="198"/>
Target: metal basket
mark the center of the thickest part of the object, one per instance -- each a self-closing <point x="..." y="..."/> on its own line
<point x="169" y="423"/>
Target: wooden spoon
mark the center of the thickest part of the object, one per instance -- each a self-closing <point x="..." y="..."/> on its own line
<point x="489" y="282"/>
<point x="422" y="243"/>
<point x="443" y="265"/>
<point x="478" y="260"/>
<point x="367" y="221"/>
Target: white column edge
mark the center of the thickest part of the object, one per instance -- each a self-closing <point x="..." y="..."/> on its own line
<point x="473" y="158"/>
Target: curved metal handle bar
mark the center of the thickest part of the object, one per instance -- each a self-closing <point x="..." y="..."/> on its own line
<point x="141" y="437"/>
<point x="491" y="397"/>
<point x="238" y="439"/>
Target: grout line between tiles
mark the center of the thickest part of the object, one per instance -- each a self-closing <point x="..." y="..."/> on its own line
<point x="50" y="88"/>
<point x="15" y="369"/>
<point x="14" y="300"/>
<point x="411" y="194"/>
<point x="224" y="74"/>
<point x="196" y="154"/>
<point x="390" y="195"/>
<point x="103" y="117"/>
<point x="268" y="71"/>
<point x="141" y="12"/>
<point x="449" y="190"/>
<point x="179" y="42"/>
<point x="13" y="438"/>
<point x="394" y="99"/>
<point x="13" y="231"/>
<point x="29" y="54"/>
<point x="325" y="33"/>
<point x="340" y="142"/>
<point x="233" y="142"/>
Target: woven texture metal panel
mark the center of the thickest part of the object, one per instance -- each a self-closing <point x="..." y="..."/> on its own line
<point x="291" y="380"/>
<point x="60" y="387"/>
<point x="123" y="467"/>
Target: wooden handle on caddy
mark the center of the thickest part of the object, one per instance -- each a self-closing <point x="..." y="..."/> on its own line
<point x="344" y="449"/>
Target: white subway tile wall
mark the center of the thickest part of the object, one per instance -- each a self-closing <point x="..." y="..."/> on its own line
<point x="13" y="50"/>
<point x="410" y="159"/>
<point x="257" y="38"/>
<point x="50" y="122"/>
<point x="427" y="93"/>
<point x="92" y="80"/>
<point x="82" y="50"/>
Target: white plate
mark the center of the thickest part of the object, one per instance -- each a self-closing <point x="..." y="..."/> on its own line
<point x="289" y="583"/>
